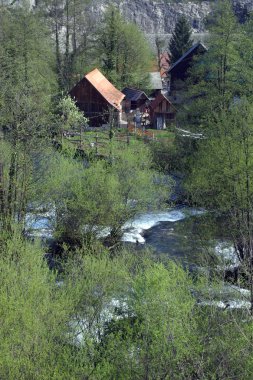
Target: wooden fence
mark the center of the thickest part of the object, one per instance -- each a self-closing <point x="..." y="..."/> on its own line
<point x="100" y="141"/>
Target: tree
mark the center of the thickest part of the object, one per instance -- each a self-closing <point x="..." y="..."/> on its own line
<point x="155" y="335"/>
<point x="71" y="28"/>
<point x="159" y="43"/>
<point x="124" y="51"/>
<point x="224" y="182"/>
<point x="36" y="340"/>
<point x="220" y="108"/>
<point x="24" y="65"/>
<point x="181" y="39"/>
<point x="72" y="119"/>
<point x="99" y="199"/>
<point x="217" y="78"/>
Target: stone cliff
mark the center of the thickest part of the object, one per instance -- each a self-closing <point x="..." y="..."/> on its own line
<point x="159" y="16"/>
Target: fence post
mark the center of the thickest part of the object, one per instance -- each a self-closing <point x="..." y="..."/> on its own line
<point x="1" y="190"/>
<point x="96" y="144"/>
<point x="81" y="137"/>
<point x="128" y="139"/>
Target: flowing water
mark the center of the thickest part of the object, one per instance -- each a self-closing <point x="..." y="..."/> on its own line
<point x="182" y="234"/>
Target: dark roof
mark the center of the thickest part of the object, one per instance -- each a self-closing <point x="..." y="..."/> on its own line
<point x="156" y="81"/>
<point x="133" y="94"/>
<point x="105" y="88"/>
<point x="187" y="53"/>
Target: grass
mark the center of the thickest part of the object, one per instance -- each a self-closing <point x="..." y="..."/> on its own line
<point x="90" y="138"/>
<point x="162" y="134"/>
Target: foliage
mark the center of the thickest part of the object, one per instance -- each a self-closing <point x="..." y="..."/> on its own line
<point x="104" y="195"/>
<point x="181" y="39"/>
<point x="222" y="74"/>
<point x="24" y="64"/>
<point x="70" y="47"/>
<point x="124" y="51"/>
<point x="34" y="315"/>
<point x="153" y="341"/>
<point x="26" y="61"/>
<point x="224" y="116"/>
<point x="224" y="183"/>
<point x="72" y="117"/>
<point x="118" y="317"/>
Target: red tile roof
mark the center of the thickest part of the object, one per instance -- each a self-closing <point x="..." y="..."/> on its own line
<point x="105" y="88"/>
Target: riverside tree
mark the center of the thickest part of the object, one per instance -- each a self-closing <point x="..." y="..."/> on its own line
<point x="24" y="65"/>
<point x="221" y="176"/>
<point x="103" y="196"/>
<point x="220" y="170"/>
<point x="181" y="39"/>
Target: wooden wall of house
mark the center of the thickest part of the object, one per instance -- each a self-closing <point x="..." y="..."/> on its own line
<point x="133" y="105"/>
<point x="91" y="102"/>
<point x="163" y="109"/>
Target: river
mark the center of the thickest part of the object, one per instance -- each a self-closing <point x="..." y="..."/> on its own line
<point x="183" y="234"/>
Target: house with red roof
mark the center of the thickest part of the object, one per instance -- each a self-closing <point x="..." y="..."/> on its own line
<point x="95" y="95"/>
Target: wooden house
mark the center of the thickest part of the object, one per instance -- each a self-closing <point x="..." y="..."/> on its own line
<point x="178" y="72"/>
<point x="161" y="111"/>
<point x="134" y="99"/>
<point x="95" y="95"/>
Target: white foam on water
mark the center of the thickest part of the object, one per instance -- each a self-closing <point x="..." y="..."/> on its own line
<point x="231" y="304"/>
<point x="242" y="291"/>
<point x="143" y="222"/>
<point x="39" y="225"/>
<point x="226" y="252"/>
<point x="133" y="237"/>
<point x="81" y="327"/>
<point x="41" y="233"/>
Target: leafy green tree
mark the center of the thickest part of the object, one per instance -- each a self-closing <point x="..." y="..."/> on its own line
<point x="71" y="29"/>
<point x="219" y="106"/>
<point x="119" y="317"/>
<point x="181" y="39"/>
<point x="215" y="78"/>
<point x="35" y="312"/>
<point x="125" y="53"/>
<point x="24" y="65"/>
<point x="221" y="176"/>
<point x="156" y="337"/>
<point x="72" y="119"/>
<point x="103" y="195"/>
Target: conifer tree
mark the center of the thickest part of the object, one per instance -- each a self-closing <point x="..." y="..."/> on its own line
<point x="181" y="38"/>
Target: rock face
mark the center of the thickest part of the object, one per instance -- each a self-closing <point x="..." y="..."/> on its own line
<point x="156" y="16"/>
<point x="159" y="16"/>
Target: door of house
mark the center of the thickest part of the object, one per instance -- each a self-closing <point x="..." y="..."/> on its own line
<point x="159" y="121"/>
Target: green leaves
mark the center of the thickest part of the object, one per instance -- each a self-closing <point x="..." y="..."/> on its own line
<point x="104" y="195"/>
<point x="124" y="50"/>
<point x="72" y="117"/>
<point x="181" y="39"/>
